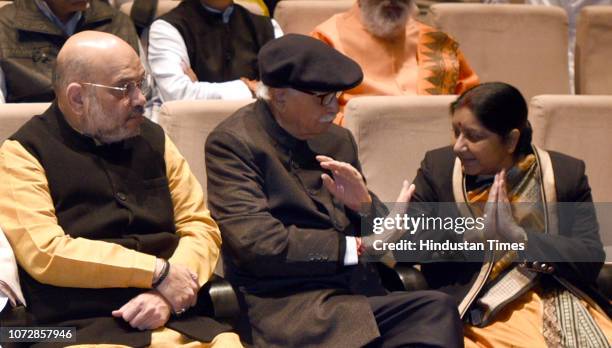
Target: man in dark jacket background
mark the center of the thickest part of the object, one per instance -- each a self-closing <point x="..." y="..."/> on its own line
<point x="33" y="31"/>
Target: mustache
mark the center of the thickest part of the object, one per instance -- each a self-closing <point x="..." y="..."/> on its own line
<point x="396" y="2"/>
<point x="137" y="111"/>
<point x="402" y="5"/>
<point x="327" y="118"/>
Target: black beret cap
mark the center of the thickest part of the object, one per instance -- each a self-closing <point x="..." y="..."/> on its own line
<point x="304" y="63"/>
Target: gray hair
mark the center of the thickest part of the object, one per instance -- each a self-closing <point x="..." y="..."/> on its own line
<point x="262" y="91"/>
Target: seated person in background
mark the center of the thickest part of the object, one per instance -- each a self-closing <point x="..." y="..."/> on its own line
<point x="283" y="187"/>
<point x="32" y="33"/>
<point x="492" y="160"/>
<point x="108" y="224"/>
<point x="207" y="49"/>
<point x="398" y="55"/>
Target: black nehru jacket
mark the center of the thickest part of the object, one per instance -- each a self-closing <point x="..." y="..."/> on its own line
<point x="112" y="192"/>
<point x="218" y="51"/>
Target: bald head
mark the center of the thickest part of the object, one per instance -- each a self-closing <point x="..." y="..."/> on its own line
<point x="98" y="85"/>
<point x="87" y="55"/>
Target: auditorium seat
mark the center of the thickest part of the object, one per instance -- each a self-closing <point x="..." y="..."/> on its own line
<point x="524" y="45"/>
<point x="188" y="122"/>
<point x="393" y="134"/>
<point x="13" y="115"/>
<point x="301" y="16"/>
<point x="594" y="50"/>
<point x="581" y="126"/>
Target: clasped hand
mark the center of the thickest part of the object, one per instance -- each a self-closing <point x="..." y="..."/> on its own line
<point x="499" y="220"/>
<point x="150" y="310"/>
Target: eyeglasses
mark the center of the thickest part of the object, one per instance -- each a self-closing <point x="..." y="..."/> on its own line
<point x="129" y="89"/>
<point x="324" y="98"/>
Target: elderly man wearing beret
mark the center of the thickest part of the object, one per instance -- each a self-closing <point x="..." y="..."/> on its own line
<point x="286" y="189"/>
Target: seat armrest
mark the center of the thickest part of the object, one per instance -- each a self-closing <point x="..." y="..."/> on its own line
<point x="224" y="300"/>
<point x="402" y="277"/>
<point x="604" y="280"/>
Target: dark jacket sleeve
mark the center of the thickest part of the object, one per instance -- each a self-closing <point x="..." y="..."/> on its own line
<point x="576" y="251"/>
<point x="428" y="202"/>
<point x="424" y="186"/>
<point x="257" y="241"/>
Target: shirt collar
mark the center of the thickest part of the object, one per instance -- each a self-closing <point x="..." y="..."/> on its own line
<point x="68" y="28"/>
<point x="279" y="135"/>
<point x="225" y="14"/>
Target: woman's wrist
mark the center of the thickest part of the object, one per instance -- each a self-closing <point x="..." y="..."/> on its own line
<point x="473" y="235"/>
<point x="518" y="235"/>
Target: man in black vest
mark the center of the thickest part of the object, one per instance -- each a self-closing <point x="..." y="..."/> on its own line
<point x="107" y="222"/>
<point x="207" y="49"/>
<point x="285" y="186"/>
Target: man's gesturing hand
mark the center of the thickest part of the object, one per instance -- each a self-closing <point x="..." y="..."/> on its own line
<point x="146" y="311"/>
<point x="180" y="288"/>
<point x="347" y="183"/>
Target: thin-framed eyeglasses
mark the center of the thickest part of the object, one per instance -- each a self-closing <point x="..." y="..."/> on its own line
<point x="324" y="98"/>
<point x="128" y="89"/>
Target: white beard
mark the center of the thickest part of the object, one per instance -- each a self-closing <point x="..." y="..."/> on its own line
<point x="381" y="23"/>
<point x="96" y="124"/>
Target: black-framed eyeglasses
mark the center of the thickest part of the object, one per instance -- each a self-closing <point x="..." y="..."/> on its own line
<point x="128" y="89"/>
<point x="324" y="98"/>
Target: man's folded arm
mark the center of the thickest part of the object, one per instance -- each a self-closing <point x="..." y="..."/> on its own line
<point x="40" y="244"/>
<point x="198" y="247"/>
<point x="167" y="54"/>
<point x="259" y="242"/>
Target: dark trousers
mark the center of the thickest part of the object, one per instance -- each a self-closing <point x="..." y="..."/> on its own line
<point x="416" y="319"/>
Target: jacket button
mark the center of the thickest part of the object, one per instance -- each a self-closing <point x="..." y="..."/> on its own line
<point x="337" y="224"/>
<point x="121" y="196"/>
<point x="546" y="268"/>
